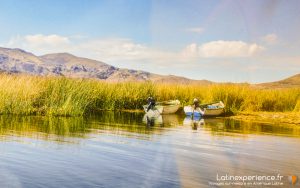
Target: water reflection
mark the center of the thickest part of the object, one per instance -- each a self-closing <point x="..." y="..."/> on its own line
<point x="42" y="127"/>
<point x="62" y="128"/>
<point x="114" y="149"/>
<point x="58" y="128"/>
<point x="194" y="122"/>
<point x="151" y="121"/>
<point x="170" y="120"/>
<point x="220" y="125"/>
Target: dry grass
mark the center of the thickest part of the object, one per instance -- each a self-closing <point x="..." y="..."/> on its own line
<point x="23" y="94"/>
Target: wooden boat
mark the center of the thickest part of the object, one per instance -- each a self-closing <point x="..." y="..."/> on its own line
<point x="166" y="107"/>
<point x="211" y="109"/>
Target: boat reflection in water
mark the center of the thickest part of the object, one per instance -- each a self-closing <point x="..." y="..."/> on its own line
<point x="194" y="122"/>
<point x="152" y="120"/>
<point x="168" y="120"/>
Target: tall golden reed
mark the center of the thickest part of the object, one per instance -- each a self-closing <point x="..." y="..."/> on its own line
<point x="25" y="94"/>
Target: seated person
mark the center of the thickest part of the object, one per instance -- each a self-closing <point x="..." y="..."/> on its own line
<point x="196" y="103"/>
<point x="151" y="103"/>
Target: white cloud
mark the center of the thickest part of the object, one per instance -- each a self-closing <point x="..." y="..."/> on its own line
<point x="113" y="48"/>
<point x="198" y="30"/>
<point x="41" y="44"/>
<point x="190" y="51"/>
<point x="229" y="49"/>
<point x="103" y="49"/>
<point x="222" y="49"/>
<point x="53" y="40"/>
<point x="126" y="50"/>
<point x="270" y="38"/>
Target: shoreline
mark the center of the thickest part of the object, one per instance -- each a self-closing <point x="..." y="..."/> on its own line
<point x="292" y="118"/>
<point x="289" y="118"/>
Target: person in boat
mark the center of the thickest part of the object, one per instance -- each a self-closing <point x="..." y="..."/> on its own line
<point x="151" y="103"/>
<point x="196" y="103"/>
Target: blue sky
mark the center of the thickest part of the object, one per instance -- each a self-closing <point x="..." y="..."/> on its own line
<point x="238" y="41"/>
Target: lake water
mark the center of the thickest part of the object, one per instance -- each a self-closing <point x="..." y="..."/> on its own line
<point x="132" y="150"/>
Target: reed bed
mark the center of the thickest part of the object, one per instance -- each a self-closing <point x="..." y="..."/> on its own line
<point x="60" y="96"/>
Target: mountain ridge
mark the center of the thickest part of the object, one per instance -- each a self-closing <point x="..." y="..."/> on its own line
<point x="65" y="64"/>
<point x="16" y="60"/>
<point x="290" y="82"/>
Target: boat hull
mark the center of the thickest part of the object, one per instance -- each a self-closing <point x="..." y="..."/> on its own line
<point x="214" y="109"/>
<point x="171" y="107"/>
<point x="213" y="112"/>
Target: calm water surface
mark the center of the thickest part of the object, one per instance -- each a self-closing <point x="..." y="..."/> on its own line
<point x="130" y="150"/>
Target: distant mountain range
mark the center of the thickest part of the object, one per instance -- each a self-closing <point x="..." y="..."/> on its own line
<point x="291" y="82"/>
<point x="65" y="64"/>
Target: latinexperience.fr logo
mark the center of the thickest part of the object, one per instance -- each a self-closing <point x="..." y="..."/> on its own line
<point x="254" y="180"/>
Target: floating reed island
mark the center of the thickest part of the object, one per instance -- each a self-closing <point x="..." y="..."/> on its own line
<point x="60" y="96"/>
